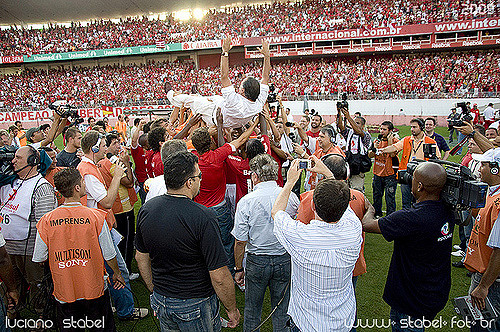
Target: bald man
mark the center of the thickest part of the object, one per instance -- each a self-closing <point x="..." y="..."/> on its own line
<point x="419" y="280"/>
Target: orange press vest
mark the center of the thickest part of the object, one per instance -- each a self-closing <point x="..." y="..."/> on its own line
<point x="478" y="253"/>
<point x="87" y="168"/>
<point x="105" y="170"/>
<point x="405" y="157"/>
<point x="71" y="234"/>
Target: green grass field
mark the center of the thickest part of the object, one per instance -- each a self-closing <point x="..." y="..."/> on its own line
<point x="370" y="286"/>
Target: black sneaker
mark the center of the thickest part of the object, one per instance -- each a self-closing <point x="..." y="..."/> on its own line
<point x="458" y="264"/>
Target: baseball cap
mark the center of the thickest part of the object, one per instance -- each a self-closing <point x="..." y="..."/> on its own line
<point x="30" y="132"/>
<point x="492" y="156"/>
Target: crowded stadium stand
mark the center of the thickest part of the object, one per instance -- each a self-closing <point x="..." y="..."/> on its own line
<point x="277" y="18"/>
<point x="471" y="74"/>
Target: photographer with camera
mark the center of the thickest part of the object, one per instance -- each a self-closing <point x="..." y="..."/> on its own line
<point x="413" y="148"/>
<point x="321" y="292"/>
<point x="36" y="137"/>
<point x="22" y="204"/>
<point x="419" y="277"/>
<point x="483" y="252"/>
<point x="358" y="142"/>
<point x="384" y="170"/>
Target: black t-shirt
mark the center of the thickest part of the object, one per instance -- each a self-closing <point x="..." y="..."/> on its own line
<point x="184" y="243"/>
<point x="66" y="159"/>
<point x="419" y="278"/>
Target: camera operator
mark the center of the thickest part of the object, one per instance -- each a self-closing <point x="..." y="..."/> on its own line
<point x="76" y="261"/>
<point x="419" y="277"/>
<point x="23" y="203"/>
<point x="37" y="138"/>
<point x="483" y="252"/>
<point x="358" y="141"/>
<point x="72" y="153"/>
<point x="452" y="117"/>
<point x="413" y="148"/>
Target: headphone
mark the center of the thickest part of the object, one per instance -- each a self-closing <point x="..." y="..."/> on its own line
<point x="97" y="146"/>
<point x="347" y="168"/>
<point x="494" y="169"/>
<point x="420" y="122"/>
<point x="34" y="158"/>
<point x="331" y="133"/>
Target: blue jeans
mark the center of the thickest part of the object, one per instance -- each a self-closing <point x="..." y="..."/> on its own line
<point x="264" y="271"/>
<point x="200" y="314"/>
<point x="406" y="196"/>
<point x="226" y="224"/>
<point x="123" y="298"/>
<point x="494" y="297"/>
<point x="387" y="184"/>
<point x="403" y="322"/>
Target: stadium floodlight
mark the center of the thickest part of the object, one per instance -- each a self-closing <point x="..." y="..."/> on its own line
<point x="198" y="14"/>
<point x="183" y="15"/>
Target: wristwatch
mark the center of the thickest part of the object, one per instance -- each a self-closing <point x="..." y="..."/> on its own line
<point x="238" y="270"/>
<point x="225" y="53"/>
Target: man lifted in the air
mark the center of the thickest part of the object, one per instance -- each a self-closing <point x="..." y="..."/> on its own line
<point x="237" y="108"/>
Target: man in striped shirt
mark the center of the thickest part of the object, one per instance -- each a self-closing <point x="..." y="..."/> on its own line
<point x="323" y="254"/>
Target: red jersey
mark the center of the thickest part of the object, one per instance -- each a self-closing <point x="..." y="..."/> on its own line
<point x="311" y="134"/>
<point x="156" y="165"/>
<point x="213" y="179"/>
<point x="139" y="157"/>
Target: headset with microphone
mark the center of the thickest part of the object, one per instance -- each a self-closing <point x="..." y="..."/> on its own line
<point x="494" y="169"/>
<point x="331" y="133"/>
<point x="97" y="146"/>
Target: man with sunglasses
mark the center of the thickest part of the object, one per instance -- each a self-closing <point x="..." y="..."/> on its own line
<point x="180" y="253"/>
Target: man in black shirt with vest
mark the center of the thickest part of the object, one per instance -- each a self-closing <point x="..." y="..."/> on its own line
<point x="180" y="253"/>
<point x="419" y="278"/>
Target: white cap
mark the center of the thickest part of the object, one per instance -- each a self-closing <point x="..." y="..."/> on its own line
<point x="492" y="156"/>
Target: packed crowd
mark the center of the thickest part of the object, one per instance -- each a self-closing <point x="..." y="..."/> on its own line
<point x="243" y="21"/>
<point x="234" y="191"/>
<point x="433" y="75"/>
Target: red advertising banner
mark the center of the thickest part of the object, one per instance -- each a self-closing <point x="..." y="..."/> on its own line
<point x="11" y="59"/>
<point x="83" y="112"/>
<point x="391" y="31"/>
<point x="387" y="48"/>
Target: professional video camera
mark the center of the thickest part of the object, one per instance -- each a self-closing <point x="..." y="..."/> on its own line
<point x="66" y="111"/>
<point x="343" y="103"/>
<point x="461" y="191"/>
<point x="464" y="115"/>
<point x="7" y="174"/>
<point x="271" y="97"/>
